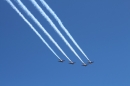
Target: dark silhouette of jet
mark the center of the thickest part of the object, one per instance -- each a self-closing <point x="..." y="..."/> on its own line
<point x="71" y="62"/>
<point x="84" y="64"/>
<point x="90" y="62"/>
<point x="61" y="60"/>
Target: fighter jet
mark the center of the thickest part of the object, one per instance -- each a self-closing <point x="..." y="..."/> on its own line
<point x="71" y="62"/>
<point x="84" y="64"/>
<point x="61" y="60"/>
<point x="90" y="62"/>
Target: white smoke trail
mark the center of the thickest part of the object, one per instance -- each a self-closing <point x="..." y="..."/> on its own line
<point x="21" y="15"/>
<point x="63" y="27"/>
<point x="55" y="28"/>
<point x="41" y="27"/>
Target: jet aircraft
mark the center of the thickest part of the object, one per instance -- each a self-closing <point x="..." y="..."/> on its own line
<point x="84" y="64"/>
<point x="61" y="60"/>
<point x="90" y="62"/>
<point x="71" y="62"/>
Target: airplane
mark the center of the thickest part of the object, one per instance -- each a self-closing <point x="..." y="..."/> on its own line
<point x="71" y="62"/>
<point x="84" y="64"/>
<point x="90" y="62"/>
<point x="61" y="60"/>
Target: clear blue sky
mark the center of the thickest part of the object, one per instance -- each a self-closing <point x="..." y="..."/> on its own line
<point x="100" y="27"/>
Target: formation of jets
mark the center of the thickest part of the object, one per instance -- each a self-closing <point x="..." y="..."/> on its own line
<point x="90" y="62"/>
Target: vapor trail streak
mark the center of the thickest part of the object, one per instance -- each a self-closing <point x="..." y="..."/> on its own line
<point x="55" y="28"/>
<point x="41" y="27"/>
<point x="63" y="27"/>
<point x="21" y="15"/>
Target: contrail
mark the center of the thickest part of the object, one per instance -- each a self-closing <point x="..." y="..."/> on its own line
<point x="41" y="27"/>
<point x="55" y="28"/>
<point x="21" y="15"/>
<point x="63" y="27"/>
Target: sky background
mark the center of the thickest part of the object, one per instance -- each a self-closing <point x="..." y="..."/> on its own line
<point x="100" y="27"/>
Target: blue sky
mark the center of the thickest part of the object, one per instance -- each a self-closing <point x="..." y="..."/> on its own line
<point x="100" y="27"/>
